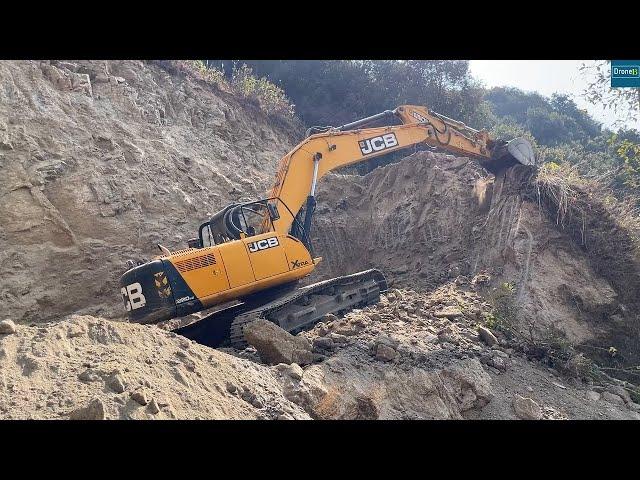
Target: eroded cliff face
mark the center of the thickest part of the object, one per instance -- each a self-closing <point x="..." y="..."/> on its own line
<point x="432" y="217"/>
<point x="100" y="161"/>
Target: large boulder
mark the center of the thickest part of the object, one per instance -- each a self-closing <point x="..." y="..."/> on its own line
<point x="95" y="410"/>
<point x="275" y="345"/>
<point x="340" y="388"/>
<point x="526" y="408"/>
<point x="469" y="384"/>
<point x="7" y="327"/>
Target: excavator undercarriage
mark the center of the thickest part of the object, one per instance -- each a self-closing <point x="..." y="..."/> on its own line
<point x="293" y="309"/>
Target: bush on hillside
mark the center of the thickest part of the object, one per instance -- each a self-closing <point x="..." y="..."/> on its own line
<point x="268" y="97"/>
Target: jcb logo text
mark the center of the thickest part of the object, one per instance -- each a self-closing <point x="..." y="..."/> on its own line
<point x="263" y="244"/>
<point x="376" y="144"/>
<point x="133" y="297"/>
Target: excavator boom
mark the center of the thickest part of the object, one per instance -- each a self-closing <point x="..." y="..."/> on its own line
<point x="319" y="153"/>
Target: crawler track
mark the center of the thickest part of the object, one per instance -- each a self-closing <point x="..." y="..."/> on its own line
<point x="291" y="308"/>
<point x="307" y="305"/>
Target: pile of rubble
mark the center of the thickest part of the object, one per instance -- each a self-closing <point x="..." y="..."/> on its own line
<point x="423" y="355"/>
<point x="88" y="368"/>
<point x="412" y="356"/>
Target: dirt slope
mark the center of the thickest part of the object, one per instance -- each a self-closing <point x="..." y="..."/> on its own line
<point x="54" y="369"/>
<point x="432" y="217"/>
<point x="102" y="160"/>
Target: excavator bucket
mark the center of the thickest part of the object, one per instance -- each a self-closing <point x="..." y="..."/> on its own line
<point x="507" y="154"/>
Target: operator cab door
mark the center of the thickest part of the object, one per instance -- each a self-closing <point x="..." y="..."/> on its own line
<point x="267" y="256"/>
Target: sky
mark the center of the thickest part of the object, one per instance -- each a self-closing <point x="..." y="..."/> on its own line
<point x="545" y="77"/>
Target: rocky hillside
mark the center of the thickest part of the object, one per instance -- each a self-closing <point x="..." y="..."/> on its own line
<point x="497" y="307"/>
<point x="101" y="161"/>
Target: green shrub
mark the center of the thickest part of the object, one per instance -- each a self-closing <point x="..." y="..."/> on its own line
<point x="504" y="310"/>
<point x="268" y="96"/>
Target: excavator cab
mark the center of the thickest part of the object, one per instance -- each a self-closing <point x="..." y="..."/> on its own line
<point x="236" y="221"/>
<point x="240" y="220"/>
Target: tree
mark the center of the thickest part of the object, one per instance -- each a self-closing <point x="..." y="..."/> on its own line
<point x="334" y="92"/>
<point x="624" y="101"/>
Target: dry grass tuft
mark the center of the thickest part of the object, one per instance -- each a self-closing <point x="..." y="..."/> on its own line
<point x="606" y="227"/>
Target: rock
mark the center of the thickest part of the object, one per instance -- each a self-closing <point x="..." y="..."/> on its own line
<point x="116" y="383"/>
<point x="448" y="312"/>
<point x="447" y="335"/>
<point x="499" y="362"/>
<point x="95" y="410"/>
<point x="633" y="406"/>
<point x="231" y="388"/>
<point x="323" y="343"/>
<point x="7" y="327"/>
<point x="612" y="398"/>
<point x="154" y="409"/>
<point x="621" y="392"/>
<point x="89" y="376"/>
<point x="293" y="371"/>
<point x="594" y="396"/>
<point x="487" y="336"/>
<point x="526" y="409"/>
<point x="501" y="354"/>
<point x="247" y="395"/>
<point x="347" y="330"/>
<point x="140" y="397"/>
<point x="319" y="357"/>
<point x="375" y="317"/>
<point x="385" y="353"/>
<point x="387" y="340"/>
<point x="275" y="345"/>
<point x="338" y="338"/>
<point x="321" y="329"/>
<point x="469" y="384"/>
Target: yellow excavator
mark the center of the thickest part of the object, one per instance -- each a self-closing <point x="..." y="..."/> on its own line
<point x="252" y="255"/>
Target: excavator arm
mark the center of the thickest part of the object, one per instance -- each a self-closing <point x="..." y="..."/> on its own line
<point x="320" y="153"/>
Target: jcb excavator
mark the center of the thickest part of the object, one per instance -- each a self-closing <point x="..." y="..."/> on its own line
<point x="254" y="253"/>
